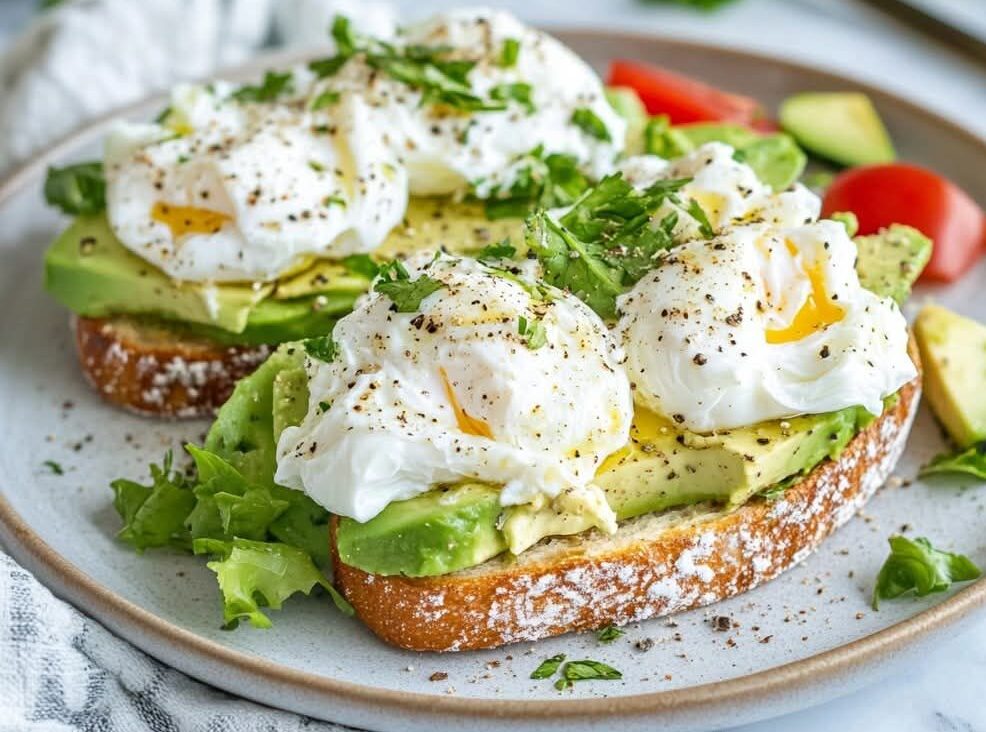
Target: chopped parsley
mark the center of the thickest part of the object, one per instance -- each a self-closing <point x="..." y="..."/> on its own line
<point x="541" y="181"/>
<point x="325" y="99"/>
<point x="585" y="670"/>
<point x="322" y="348"/>
<point x="971" y="461"/>
<point x="362" y="265"/>
<point x="324" y="407"/>
<point x="334" y="201"/>
<point x="533" y="332"/>
<point x="501" y="250"/>
<point x="587" y="121"/>
<point x="510" y="53"/>
<point x="609" y="634"/>
<point x="316" y="166"/>
<point x="406" y="294"/>
<point x="54" y="467"/>
<point x="606" y="242"/>
<point x="696" y="211"/>
<point x="274" y="84"/>
<point x="440" y="79"/>
<point x="917" y="566"/>
<point x="548" y="667"/>
<point x="518" y="92"/>
<point x="76" y="189"/>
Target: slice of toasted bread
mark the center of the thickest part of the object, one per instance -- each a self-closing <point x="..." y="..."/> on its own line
<point x="153" y="371"/>
<point x="654" y="565"/>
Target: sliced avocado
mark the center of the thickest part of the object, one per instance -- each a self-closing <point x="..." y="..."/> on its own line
<point x="776" y="158"/>
<point x="92" y="274"/>
<point x="841" y="126"/>
<point x="439" y="532"/>
<point x="628" y="105"/>
<point x="290" y="397"/>
<point x="891" y="260"/>
<point x="953" y="353"/>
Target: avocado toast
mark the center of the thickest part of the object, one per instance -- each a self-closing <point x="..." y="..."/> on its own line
<point x="665" y="386"/>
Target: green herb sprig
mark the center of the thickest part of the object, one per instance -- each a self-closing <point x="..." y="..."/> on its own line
<point x="971" y="461"/>
<point x="78" y="189"/>
<point x="440" y="79"/>
<point x="395" y="282"/>
<point x="606" y="242"/>
<point x="916" y="566"/>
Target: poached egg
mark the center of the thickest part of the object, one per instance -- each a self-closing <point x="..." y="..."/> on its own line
<point x="232" y="189"/>
<point x="493" y="378"/>
<point x="761" y="323"/>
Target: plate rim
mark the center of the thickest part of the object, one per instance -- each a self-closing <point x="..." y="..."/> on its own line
<point x="66" y="579"/>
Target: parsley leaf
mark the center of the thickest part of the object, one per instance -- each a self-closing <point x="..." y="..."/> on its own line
<point x="665" y="141"/>
<point x="696" y="211"/>
<point x="54" y="467"/>
<point x="533" y="332"/>
<point x="918" y="566"/>
<point x="509" y="53"/>
<point x="76" y="189"/>
<point x="362" y="265"/>
<point x="440" y="80"/>
<point x="322" y="347"/>
<point x="540" y="182"/>
<point x="274" y="84"/>
<point x="518" y="92"/>
<point x="609" y="634"/>
<point x="606" y="242"/>
<point x="548" y="667"/>
<point x="325" y="99"/>
<point x="501" y="250"/>
<point x="587" y="120"/>
<point x="406" y="294"/>
<point x="971" y="461"/>
<point x="585" y="670"/>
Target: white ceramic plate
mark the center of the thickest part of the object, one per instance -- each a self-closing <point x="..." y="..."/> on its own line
<point x="796" y="641"/>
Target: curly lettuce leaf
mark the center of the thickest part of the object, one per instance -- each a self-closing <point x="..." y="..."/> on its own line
<point x="154" y="515"/>
<point x="233" y="506"/>
<point x="256" y="574"/>
<point x="917" y="566"/>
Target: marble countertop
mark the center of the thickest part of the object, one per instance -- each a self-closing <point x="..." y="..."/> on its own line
<point x="943" y="693"/>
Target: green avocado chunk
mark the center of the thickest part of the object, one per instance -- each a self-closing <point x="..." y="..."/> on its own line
<point x="953" y="352"/>
<point x="775" y="158"/>
<point x="841" y="126"/>
<point x="92" y="274"/>
<point x="890" y="261"/>
<point x="627" y="104"/>
<point x="438" y="532"/>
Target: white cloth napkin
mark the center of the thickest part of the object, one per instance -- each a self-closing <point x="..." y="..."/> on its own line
<point x="61" y="671"/>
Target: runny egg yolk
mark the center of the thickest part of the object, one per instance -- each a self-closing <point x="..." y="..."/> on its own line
<point x="817" y="313"/>
<point x="184" y="220"/>
<point x="469" y="425"/>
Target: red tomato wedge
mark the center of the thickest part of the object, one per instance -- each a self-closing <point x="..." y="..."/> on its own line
<point x="901" y="193"/>
<point x="683" y="99"/>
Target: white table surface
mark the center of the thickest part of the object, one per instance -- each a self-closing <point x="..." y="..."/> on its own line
<point x="944" y="693"/>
